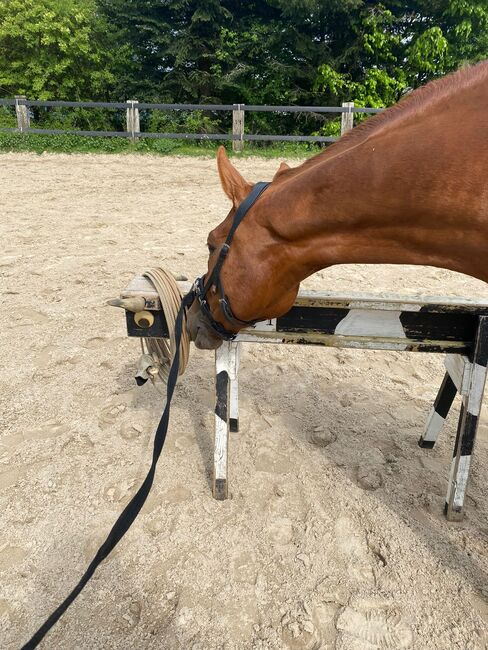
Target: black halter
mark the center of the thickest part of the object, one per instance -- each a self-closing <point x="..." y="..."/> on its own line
<point x="201" y="288"/>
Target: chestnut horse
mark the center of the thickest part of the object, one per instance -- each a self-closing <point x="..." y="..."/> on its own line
<point x="408" y="186"/>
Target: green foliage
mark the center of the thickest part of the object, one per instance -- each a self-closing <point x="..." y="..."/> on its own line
<point x="181" y="122"/>
<point x="375" y="90"/>
<point x="466" y="27"/>
<point x="394" y="46"/>
<point x="16" y="142"/>
<point x="428" y="54"/>
<point x="7" y="118"/>
<point x="77" y="119"/>
<point x="56" y="49"/>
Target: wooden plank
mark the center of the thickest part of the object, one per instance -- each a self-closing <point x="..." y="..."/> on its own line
<point x="141" y="286"/>
<point x="353" y="300"/>
<point x="356" y="342"/>
<point x="459" y="369"/>
<point x="416" y="326"/>
<point x="160" y="330"/>
<point x="435" y="304"/>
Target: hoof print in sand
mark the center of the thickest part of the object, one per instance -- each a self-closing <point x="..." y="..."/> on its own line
<point x="300" y="634"/>
<point x="322" y="437"/>
<point x="129" y="431"/>
<point x="24" y="317"/>
<point x="11" y="556"/>
<point x="376" y="629"/>
<point x="132" y="615"/>
<point x="370" y="470"/>
<point x="115" y="493"/>
<point x="369" y="477"/>
<point x="244" y="568"/>
<point x="310" y="627"/>
<point x="44" y="357"/>
<point x="109" y="415"/>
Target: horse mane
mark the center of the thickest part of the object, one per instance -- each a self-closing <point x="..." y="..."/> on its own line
<point x="411" y="105"/>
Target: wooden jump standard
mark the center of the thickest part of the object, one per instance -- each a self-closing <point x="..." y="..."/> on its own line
<point x="452" y="326"/>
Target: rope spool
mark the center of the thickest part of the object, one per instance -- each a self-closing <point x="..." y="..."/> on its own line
<point x="161" y="350"/>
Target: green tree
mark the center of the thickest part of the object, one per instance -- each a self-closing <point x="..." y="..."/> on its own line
<point x="396" y="45"/>
<point x="309" y="52"/>
<point x="172" y="42"/>
<point x="57" y="49"/>
<point x="465" y="25"/>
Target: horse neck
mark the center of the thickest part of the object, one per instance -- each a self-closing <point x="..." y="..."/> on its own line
<point x="403" y="195"/>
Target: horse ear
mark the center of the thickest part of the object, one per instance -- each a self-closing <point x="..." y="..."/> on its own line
<point x="281" y="170"/>
<point x="233" y="184"/>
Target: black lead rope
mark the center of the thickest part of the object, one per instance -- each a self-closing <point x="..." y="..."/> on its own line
<point x="133" y="508"/>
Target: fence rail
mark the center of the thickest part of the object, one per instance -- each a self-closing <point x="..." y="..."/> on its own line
<point x="133" y="108"/>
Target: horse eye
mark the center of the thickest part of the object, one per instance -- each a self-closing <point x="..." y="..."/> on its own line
<point x="211" y="249"/>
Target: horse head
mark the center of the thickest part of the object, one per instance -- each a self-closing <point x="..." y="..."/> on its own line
<point x="251" y="276"/>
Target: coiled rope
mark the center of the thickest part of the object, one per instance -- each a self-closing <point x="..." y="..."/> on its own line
<point x="162" y="351"/>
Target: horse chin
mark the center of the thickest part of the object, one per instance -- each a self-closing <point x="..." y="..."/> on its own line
<point x="207" y="340"/>
<point x="200" y="333"/>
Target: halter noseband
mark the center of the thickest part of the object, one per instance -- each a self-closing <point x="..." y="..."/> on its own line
<point x="201" y="288"/>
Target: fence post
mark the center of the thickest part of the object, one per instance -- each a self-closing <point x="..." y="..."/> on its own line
<point x="22" y="112"/>
<point x="347" y="118"/>
<point x="133" y="122"/>
<point x="238" y="127"/>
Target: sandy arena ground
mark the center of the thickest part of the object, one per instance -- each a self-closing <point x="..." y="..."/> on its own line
<point x="334" y="536"/>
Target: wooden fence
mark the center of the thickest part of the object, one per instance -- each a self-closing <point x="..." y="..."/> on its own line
<point x="133" y="108"/>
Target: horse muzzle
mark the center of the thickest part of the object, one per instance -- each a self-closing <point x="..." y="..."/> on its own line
<point x="199" y="329"/>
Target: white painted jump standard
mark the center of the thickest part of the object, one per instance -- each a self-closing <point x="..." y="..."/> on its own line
<point x="470" y="383"/>
<point x="363" y="321"/>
